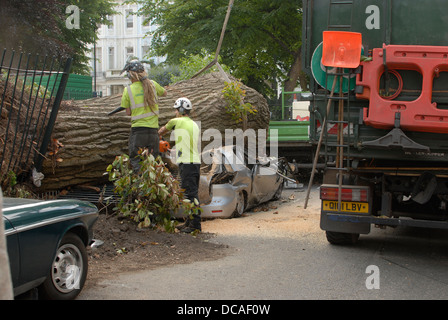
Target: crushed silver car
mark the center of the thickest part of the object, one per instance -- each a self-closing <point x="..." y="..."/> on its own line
<point x="229" y="185"/>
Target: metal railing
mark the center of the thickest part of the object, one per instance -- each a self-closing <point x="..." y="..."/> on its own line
<point x="28" y="109"/>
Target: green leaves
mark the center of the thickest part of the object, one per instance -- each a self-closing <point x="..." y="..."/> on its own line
<point x="39" y="27"/>
<point x="190" y="65"/>
<point x="261" y="43"/>
<point x="150" y="197"/>
<point x="234" y="97"/>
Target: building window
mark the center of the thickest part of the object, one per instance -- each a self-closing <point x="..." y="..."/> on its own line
<point x="99" y="59"/>
<point x="116" y="89"/>
<point x="110" y="19"/>
<point x="129" y="19"/>
<point x="111" y="58"/>
<point x="148" y="22"/>
<point x="145" y="51"/>
<point x="129" y="52"/>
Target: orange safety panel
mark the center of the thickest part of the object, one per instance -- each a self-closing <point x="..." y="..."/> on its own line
<point x="341" y="49"/>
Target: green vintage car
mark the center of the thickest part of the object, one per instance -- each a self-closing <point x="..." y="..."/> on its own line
<point x="46" y="243"/>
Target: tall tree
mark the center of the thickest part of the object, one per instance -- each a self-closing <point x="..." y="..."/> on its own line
<point x="262" y="43"/>
<point x="39" y="27"/>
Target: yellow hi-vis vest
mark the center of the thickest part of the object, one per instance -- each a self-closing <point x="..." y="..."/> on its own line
<point x="133" y="98"/>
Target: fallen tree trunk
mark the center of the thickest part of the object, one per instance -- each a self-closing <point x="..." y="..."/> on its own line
<point x="91" y="139"/>
<point x="23" y="119"/>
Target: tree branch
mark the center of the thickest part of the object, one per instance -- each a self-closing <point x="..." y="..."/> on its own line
<point x="279" y="42"/>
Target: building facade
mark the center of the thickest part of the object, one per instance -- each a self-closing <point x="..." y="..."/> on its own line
<point x="126" y="36"/>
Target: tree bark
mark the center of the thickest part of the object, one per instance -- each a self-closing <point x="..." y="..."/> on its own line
<point x="91" y="139"/>
<point x="295" y="74"/>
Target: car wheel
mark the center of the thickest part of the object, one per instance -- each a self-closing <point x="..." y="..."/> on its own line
<point x="240" y="205"/>
<point x="68" y="270"/>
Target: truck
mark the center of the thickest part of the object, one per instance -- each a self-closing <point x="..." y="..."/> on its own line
<point x="381" y="125"/>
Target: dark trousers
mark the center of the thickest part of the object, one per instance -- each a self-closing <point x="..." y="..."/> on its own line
<point x="189" y="176"/>
<point x="142" y="138"/>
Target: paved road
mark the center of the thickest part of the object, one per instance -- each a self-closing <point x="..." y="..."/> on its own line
<point x="283" y="254"/>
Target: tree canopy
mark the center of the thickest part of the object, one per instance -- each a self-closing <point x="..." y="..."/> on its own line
<point x="262" y="43"/>
<point x="39" y="27"/>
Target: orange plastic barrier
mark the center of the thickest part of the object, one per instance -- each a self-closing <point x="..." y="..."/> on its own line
<point x="419" y="115"/>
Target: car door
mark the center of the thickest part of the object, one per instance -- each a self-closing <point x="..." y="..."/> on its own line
<point x="37" y="237"/>
<point x="12" y="245"/>
<point x="265" y="182"/>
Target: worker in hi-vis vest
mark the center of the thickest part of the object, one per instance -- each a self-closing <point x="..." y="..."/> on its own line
<point x="140" y="101"/>
<point x="186" y="133"/>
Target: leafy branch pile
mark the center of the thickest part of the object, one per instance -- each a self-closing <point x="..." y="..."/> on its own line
<point x="151" y="196"/>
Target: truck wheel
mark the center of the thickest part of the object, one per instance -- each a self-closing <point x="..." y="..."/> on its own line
<point x="340" y="238"/>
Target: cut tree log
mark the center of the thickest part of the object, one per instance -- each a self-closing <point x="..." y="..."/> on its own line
<point x="91" y="139"/>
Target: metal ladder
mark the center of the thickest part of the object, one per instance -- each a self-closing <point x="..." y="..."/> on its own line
<point x="340" y="6"/>
<point x="341" y="145"/>
<point x="343" y="118"/>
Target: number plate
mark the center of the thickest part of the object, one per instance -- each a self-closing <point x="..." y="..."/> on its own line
<point x="355" y="207"/>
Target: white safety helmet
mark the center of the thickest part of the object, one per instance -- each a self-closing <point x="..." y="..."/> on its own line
<point x="183" y="105"/>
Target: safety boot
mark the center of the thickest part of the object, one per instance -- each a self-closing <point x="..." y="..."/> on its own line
<point x="194" y="224"/>
<point x="184" y="225"/>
